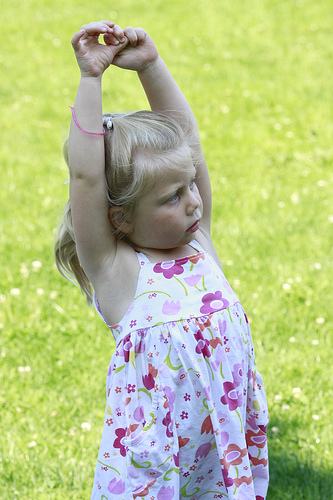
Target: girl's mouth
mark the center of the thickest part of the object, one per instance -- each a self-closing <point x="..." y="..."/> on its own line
<point x="194" y="228"/>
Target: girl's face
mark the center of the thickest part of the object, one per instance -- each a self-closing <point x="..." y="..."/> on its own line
<point x="168" y="215"/>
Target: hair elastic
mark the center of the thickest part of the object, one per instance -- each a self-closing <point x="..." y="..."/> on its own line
<point x="82" y="129"/>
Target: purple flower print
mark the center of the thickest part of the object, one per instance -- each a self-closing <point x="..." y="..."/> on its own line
<point x="116" y="486"/>
<point x="213" y="302"/>
<point x="176" y="459"/>
<point x="171" y="308"/>
<point x="202" y="345"/>
<point x="220" y="357"/>
<point x="148" y="381"/>
<point x="166" y="493"/>
<point x="231" y="397"/>
<point x="193" y="280"/>
<point x="139" y="414"/>
<point x="133" y="323"/>
<point x="237" y="373"/>
<point x="203" y="450"/>
<point x="118" y="443"/>
<point x="170" y="268"/>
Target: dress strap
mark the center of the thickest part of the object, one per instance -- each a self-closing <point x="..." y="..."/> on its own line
<point x="142" y="258"/>
<point x="196" y="246"/>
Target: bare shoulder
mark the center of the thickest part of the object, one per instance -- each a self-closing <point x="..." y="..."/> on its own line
<point x="116" y="283"/>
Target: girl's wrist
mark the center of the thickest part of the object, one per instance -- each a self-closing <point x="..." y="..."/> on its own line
<point x="150" y="66"/>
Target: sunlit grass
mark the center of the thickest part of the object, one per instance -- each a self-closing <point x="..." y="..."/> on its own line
<point x="259" y="78"/>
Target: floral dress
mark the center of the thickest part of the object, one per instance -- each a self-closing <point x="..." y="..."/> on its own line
<point x="186" y="414"/>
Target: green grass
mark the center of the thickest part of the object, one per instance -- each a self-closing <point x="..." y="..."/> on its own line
<point x="258" y="75"/>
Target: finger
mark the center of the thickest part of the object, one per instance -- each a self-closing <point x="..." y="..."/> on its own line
<point x="98" y="28"/>
<point x="118" y="33"/>
<point x="141" y="34"/>
<point x="130" y="33"/>
<point x="110" y="39"/>
<point x="77" y="38"/>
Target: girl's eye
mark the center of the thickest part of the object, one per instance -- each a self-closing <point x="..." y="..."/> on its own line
<point x="192" y="182"/>
<point x="173" y="198"/>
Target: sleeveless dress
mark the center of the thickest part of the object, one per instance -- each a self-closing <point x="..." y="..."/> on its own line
<point x="186" y="413"/>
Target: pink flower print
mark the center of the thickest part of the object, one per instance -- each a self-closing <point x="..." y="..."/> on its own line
<point x="199" y="479"/>
<point x="140" y="347"/>
<point x="149" y="318"/>
<point x="109" y="421"/>
<point x="213" y="302"/>
<point x="231" y="397"/>
<point x="130" y="388"/>
<point x="133" y="323"/>
<point x="148" y="381"/>
<point x="237" y="373"/>
<point x="171" y="308"/>
<point x="119" y="442"/>
<point x="187" y="397"/>
<point x="126" y="347"/>
<point x="144" y="454"/>
<point x="203" y="450"/>
<point x="202" y="345"/>
<point x="170" y="397"/>
<point x="228" y="481"/>
<point x="193" y="280"/>
<point x="184" y="415"/>
<point x="150" y="281"/>
<point x="176" y="459"/>
<point x="116" y="486"/>
<point x="170" y="268"/>
<point x="233" y="455"/>
<point x="166" y="493"/>
<point x="168" y="422"/>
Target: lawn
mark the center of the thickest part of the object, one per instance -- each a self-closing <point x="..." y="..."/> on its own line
<point x="258" y="75"/>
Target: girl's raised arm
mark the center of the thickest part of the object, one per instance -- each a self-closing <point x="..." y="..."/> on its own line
<point x="95" y="241"/>
<point x="165" y="96"/>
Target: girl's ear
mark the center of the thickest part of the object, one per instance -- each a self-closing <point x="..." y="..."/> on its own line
<point x="118" y="221"/>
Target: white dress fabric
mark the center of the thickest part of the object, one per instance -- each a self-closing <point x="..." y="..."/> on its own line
<point x="186" y="413"/>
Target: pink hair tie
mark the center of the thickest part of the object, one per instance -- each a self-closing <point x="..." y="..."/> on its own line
<point x="82" y="129"/>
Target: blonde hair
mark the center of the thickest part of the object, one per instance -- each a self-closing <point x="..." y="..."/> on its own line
<point x="137" y="147"/>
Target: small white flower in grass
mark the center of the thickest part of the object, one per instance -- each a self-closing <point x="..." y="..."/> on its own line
<point x="297" y="392"/>
<point x="286" y="286"/>
<point x="292" y="340"/>
<point x="230" y="262"/>
<point x="315" y="417"/>
<point x="85" y="426"/>
<point x="295" y="198"/>
<point x="277" y="126"/>
<point x="225" y="109"/>
<point x="53" y="294"/>
<point x="317" y="266"/>
<point x="317" y="440"/>
<point x="285" y="407"/>
<point x="15" y="292"/>
<point x="275" y="431"/>
<point x="32" y="444"/>
<point x="308" y="303"/>
<point x="320" y="321"/>
<point x="330" y="219"/>
<point x="40" y="291"/>
<point x="321" y="183"/>
<point x="278" y="397"/>
<point x="36" y="265"/>
<point x="315" y="342"/>
<point x="281" y="204"/>
<point x="24" y="369"/>
<point x="236" y="282"/>
<point x="18" y="409"/>
<point x="298" y="279"/>
<point x="2" y="298"/>
<point x="24" y="270"/>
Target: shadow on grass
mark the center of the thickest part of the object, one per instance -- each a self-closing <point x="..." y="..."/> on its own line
<point x="293" y="479"/>
<point x="296" y="475"/>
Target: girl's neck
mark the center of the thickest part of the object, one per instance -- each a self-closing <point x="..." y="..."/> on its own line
<point x="160" y="255"/>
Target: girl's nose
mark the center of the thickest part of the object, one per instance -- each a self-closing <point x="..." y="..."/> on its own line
<point x="193" y="202"/>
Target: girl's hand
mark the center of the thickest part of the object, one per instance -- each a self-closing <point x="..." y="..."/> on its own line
<point x="138" y="53"/>
<point x="93" y="57"/>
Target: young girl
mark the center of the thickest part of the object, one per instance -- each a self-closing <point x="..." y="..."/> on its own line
<point x="186" y="413"/>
